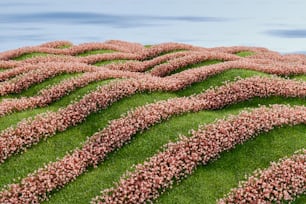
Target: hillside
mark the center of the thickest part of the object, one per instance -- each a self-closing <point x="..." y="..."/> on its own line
<point x="75" y="118"/>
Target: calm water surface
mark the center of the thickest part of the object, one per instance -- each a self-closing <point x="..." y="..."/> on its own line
<point x="277" y="24"/>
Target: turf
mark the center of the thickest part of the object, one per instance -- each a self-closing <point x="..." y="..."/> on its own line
<point x="102" y="63"/>
<point x="208" y="183"/>
<point x="204" y="63"/>
<point x="91" y="52"/>
<point x="145" y="145"/>
<point x="244" y="53"/>
<point x="30" y="55"/>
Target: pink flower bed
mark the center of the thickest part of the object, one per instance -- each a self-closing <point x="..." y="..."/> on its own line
<point x="78" y="49"/>
<point x="141" y="66"/>
<point x="34" y="76"/>
<point x="136" y="66"/>
<point x="282" y="181"/>
<point x="274" y="86"/>
<point x="179" y="159"/>
<point x="119" y="131"/>
<point x="180" y="79"/>
<point x="236" y="49"/>
<point x="55" y="92"/>
<point x="192" y="58"/>
<point x="73" y="50"/>
<point x="56" y="44"/>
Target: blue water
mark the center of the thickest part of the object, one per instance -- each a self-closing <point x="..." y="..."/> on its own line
<point x="276" y="24"/>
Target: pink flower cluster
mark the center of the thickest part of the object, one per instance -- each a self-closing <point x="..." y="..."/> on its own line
<point x="73" y="50"/>
<point x="119" y="131"/>
<point x="37" y="75"/>
<point x="52" y="48"/>
<point x="189" y="76"/>
<point x="55" y="92"/>
<point x="56" y="44"/>
<point x="237" y="49"/>
<point x="30" y="131"/>
<point x="158" y="172"/>
<point x="192" y="58"/>
<point x="141" y="66"/>
<point x="300" y="58"/>
<point x="179" y="159"/>
<point x="282" y="181"/>
<point x="173" y="82"/>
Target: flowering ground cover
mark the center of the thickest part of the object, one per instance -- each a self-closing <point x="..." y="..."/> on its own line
<point x="90" y="91"/>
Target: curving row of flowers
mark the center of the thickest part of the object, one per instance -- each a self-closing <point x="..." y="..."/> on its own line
<point x="121" y="47"/>
<point x="55" y="92"/>
<point x="282" y="181"/>
<point x="54" y="175"/>
<point x="177" y="60"/>
<point x="30" y="131"/>
<point x="180" y="159"/>
<point x="56" y="44"/>
<point x="135" y="66"/>
<point x="190" y="59"/>
<point x="141" y="66"/>
<point x="120" y="131"/>
<point x="34" y="76"/>
<point x="90" y="59"/>
<point x="180" y="79"/>
<point x="72" y="50"/>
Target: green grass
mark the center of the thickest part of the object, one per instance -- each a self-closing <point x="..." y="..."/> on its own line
<point x="34" y="89"/>
<point x="92" y="52"/>
<point x="35" y="54"/>
<point x="244" y="53"/>
<point x="64" y="46"/>
<point x="102" y="63"/>
<point x="146" y="144"/>
<point x="204" y="63"/>
<point x="217" y="178"/>
<point x="30" y="55"/>
<point x="207" y="183"/>
<point x="196" y="88"/>
<point x="12" y="119"/>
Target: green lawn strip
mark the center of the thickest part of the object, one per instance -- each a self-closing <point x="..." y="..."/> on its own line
<point x="86" y="53"/>
<point x="14" y="118"/>
<point x="219" y="79"/>
<point x="17" y="167"/>
<point x="21" y="164"/>
<point x="34" y="89"/>
<point x="212" y="181"/>
<point x="300" y="200"/>
<point x="196" y="65"/>
<point x="30" y="55"/>
<point x="63" y="46"/>
<point x="299" y="77"/>
<point x="148" y="46"/>
<point x="209" y="62"/>
<point x="119" y="61"/>
<point x="146" y="144"/>
<point x="216" y="80"/>
<point x="204" y="63"/>
<point x="93" y="52"/>
<point x="245" y="53"/>
<point x="18" y="116"/>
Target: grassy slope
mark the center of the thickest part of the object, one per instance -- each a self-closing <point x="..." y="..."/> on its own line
<point x="146" y="144"/>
